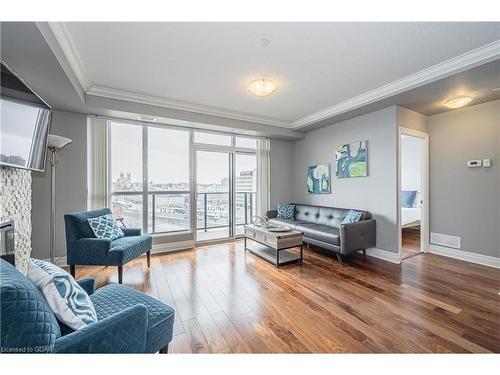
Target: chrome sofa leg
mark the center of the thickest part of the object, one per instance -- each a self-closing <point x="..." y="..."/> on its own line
<point x="339" y="258"/>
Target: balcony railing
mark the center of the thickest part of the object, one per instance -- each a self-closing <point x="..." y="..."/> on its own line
<point x="212" y="209"/>
<point x="169" y="211"/>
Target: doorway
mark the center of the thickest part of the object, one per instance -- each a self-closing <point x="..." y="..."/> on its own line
<point x="413" y="193"/>
<point x="226" y="193"/>
<point x="213" y="195"/>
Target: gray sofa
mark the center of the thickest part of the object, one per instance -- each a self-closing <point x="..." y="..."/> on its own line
<point x="322" y="227"/>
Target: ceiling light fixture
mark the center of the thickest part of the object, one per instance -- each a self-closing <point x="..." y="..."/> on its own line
<point x="458" y="102"/>
<point x="262" y="86"/>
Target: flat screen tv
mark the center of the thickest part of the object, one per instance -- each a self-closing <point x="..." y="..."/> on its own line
<point x="24" y="123"/>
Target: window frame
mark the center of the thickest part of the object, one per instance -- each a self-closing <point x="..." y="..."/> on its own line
<point x="192" y="191"/>
<point x="145" y="192"/>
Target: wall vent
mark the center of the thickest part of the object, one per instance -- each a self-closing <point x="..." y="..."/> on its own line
<point x="446" y="240"/>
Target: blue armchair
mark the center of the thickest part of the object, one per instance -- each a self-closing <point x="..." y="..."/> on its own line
<point x="83" y="248"/>
<point x="128" y="321"/>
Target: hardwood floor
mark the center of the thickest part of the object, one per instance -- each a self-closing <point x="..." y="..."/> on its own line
<point x="410" y="243"/>
<point x="229" y="301"/>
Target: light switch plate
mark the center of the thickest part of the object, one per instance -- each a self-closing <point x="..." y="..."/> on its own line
<point x="486" y="163"/>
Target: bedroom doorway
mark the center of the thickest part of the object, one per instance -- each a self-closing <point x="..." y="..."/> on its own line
<point x="413" y="193"/>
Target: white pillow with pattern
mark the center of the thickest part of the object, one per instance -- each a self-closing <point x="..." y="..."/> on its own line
<point x="105" y="226"/>
<point x="67" y="299"/>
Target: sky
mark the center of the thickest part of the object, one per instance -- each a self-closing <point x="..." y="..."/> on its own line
<point x="168" y="156"/>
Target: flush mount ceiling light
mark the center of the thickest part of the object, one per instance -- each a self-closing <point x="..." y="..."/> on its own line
<point x="262" y="86"/>
<point x="458" y="102"/>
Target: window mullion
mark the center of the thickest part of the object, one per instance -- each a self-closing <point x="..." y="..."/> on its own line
<point x="145" y="201"/>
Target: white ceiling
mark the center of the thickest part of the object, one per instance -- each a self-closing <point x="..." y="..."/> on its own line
<point x="317" y="65"/>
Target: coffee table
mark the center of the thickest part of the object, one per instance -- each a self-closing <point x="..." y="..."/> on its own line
<point x="272" y="246"/>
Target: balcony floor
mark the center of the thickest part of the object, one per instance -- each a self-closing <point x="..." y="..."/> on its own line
<point x="217" y="233"/>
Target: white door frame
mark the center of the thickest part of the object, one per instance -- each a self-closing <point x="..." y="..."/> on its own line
<point x="424" y="195"/>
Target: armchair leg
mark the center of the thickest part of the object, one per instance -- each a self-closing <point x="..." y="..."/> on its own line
<point x="364" y="253"/>
<point x="339" y="258"/>
<point x="148" y="256"/>
<point x="120" y="274"/>
<point x="72" y="270"/>
<point x="164" y="350"/>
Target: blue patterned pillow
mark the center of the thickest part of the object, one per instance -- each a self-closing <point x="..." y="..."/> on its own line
<point x="105" y="226"/>
<point x="67" y="299"/>
<point x="408" y="198"/>
<point x="351" y="217"/>
<point x="286" y="211"/>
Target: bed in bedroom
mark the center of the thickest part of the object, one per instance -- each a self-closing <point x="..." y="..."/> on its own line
<point x="410" y="217"/>
<point x="410" y="208"/>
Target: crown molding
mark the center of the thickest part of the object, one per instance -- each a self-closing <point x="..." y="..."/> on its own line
<point x="481" y="55"/>
<point x="468" y="60"/>
<point x="68" y="47"/>
<point x="110" y="93"/>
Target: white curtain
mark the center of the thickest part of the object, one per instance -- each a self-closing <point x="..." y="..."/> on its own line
<point x="263" y="177"/>
<point x="98" y="163"/>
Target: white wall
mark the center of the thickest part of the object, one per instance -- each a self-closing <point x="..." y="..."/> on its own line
<point x="376" y="192"/>
<point x="411" y="163"/>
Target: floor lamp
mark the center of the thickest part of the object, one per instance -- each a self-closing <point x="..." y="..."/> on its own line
<point x="55" y="143"/>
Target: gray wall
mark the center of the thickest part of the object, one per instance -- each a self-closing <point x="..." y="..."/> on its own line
<point x="281" y="171"/>
<point x="377" y="191"/>
<point x="407" y="118"/>
<point x="466" y="201"/>
<point x="71" y="184"/>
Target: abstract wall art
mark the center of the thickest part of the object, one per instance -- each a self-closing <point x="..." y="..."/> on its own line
<point x="351" y="160"/>
<point x="318" y="179"/>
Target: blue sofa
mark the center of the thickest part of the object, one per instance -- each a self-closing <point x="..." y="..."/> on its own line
<point x="83" y="248"/>
<point x="128" y="321"/>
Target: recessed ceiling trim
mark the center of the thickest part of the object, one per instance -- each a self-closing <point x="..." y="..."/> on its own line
<point x="68" y="47"/>
<point x="449" y="67"/>
<point x="110" y="93"/>
<point x="484" y="54"/>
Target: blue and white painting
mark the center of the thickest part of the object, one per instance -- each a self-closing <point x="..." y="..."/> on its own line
<point x="318" y="179"/>
<point x="351" y="160"/>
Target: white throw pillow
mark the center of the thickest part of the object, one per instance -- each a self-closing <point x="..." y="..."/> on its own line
<point x="105" y="226"/>
<point x="70" y="303"/>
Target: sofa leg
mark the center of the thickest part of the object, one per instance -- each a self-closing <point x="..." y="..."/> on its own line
<point x="148" y="256"/>
<point x="364" y="253"/>
<point x="339" y="258"/>
<point x="164" y="350"/>
<point x="120" y="274"/>
<point x="72" y="270"/>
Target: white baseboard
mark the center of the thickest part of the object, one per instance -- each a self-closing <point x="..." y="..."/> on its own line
<point x="384" y="255"/>
<point x="174" y="246"/>
<point x="484" y="260"/>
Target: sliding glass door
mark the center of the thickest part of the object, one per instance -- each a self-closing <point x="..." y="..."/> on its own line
<point x="213" y="195"/>
<point x="226" y="187"/>
<point x="245" y="196"/>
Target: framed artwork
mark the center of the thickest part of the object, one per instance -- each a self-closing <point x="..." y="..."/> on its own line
<point x="352" y="160"/>
<point x="318" y="179"/>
